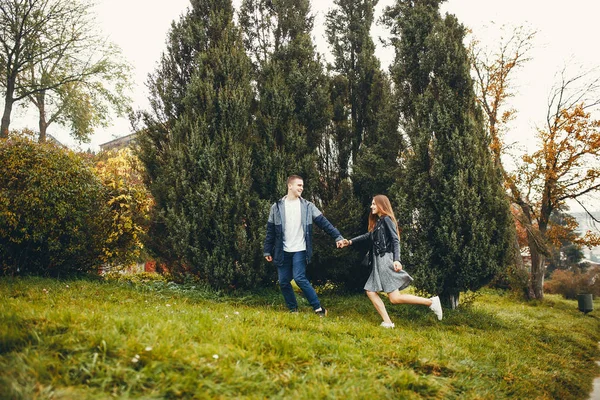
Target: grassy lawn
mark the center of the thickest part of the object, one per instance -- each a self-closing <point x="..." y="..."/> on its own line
<point x="86" y="340"/>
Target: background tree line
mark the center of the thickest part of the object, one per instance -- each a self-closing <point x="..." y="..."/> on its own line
<point x="236" y="108"/>
<point x="238" y="103"/>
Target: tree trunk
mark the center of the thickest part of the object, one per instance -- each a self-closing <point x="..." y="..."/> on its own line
<point x="517" y="257"/>
<point x="450" y="300"/>
<point x="8" y="103"/>
<point x="537" y="272"/>
<point x="525" y="285"/>
<point x="43" y="129"/>
<point x="42" y="121"/>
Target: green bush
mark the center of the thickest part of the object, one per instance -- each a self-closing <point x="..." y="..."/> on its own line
<point x="514" y="279"/>
<point x="53" y="211"/>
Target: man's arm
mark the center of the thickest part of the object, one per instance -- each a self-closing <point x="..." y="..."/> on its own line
<point x="270" y="237"/>
<point x="322" y="222"/>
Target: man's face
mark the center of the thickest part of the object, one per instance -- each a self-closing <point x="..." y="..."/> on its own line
<point x="296" y="187"/>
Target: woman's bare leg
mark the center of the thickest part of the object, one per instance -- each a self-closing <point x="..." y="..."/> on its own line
<point x="379" y="306"/>
<point x="398" y="298"/>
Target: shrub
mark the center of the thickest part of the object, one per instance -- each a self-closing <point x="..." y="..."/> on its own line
<point x="52" y="211"/>
<point x="570" y="283"/>
<point x="514" y="279"/>
<point x="129" y="203"/>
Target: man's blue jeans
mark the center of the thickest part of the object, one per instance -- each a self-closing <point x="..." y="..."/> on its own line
<point x="294" y="267"/>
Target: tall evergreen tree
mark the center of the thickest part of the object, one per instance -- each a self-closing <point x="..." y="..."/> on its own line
<point x="358" y="154"/>
<point x="196" y="150"/>
<point x="365" y="124"/>
<point x="454" y="213"/>
<point x="348" y="34"/>
<point x="377" y="164"/>
<point x="293" y="118"/>
<point x="292" y="108"/>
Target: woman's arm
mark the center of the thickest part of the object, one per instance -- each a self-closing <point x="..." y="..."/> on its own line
<point x="361" y="238"/>
<point x="393" y="236"/>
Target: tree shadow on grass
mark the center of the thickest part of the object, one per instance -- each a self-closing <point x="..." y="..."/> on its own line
<point x="461" y="317"/>
<point x="347" y="305"/>
<point x="475" y="318"/>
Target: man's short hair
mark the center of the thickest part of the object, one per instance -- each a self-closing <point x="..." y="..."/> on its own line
<point x="292" y="178"/>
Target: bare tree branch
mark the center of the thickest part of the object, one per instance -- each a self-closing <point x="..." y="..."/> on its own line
<point x="587" y="211"/>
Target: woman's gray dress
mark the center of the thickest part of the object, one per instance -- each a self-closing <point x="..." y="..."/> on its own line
<point x="383" y="278"/>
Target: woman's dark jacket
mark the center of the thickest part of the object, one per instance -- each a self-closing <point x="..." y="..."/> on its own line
<point x="383" y="237"/>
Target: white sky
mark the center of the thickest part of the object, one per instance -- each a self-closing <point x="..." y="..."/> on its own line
<point x="567" y="35"/>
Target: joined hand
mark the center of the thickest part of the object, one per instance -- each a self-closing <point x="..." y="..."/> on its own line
<point x="343" y="243"/>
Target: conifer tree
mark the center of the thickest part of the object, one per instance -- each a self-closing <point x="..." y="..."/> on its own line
<point x="365" y="121"/>
<point x="453" y="212"/>
<point x="292" y="108"/>
<point x="348" y="33"/>
<point x="358" y="154"/>
<point x="377" y="165"/>
<point x="196" y="151"/>
<point x="293" y="117"/>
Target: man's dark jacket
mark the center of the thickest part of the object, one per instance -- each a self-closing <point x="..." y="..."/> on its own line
<point x="276" y="228"/>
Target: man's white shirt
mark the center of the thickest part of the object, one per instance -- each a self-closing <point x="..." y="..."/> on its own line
<point x="293" y="236"/>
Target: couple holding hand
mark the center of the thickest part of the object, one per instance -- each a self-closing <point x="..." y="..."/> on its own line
<point x="288" y="244"/>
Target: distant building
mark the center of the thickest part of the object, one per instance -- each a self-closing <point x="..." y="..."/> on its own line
<point x="119" y="143"/>
<point x="526" y="255"/>
<point x="587" y="223"/>
<point x="54" y="141"/>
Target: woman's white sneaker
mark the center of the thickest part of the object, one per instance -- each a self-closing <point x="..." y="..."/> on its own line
<point x="436" y="307"/>
<point x="388" y="325"/>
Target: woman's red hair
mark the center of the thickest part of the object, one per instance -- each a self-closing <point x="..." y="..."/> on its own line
<point x="385" y="208"/>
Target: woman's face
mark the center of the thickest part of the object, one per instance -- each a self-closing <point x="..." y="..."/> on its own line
<point x="374" y="208"/>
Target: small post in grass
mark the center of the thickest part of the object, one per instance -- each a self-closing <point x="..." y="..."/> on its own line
<point x="585" y="302"/>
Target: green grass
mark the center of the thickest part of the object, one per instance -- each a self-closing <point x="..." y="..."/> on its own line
<point x="79" y="340"/>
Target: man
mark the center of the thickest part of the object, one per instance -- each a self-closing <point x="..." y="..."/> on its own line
<point x="289" y="242"/>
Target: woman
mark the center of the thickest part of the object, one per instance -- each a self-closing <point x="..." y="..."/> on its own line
<point x="387" y="274"/>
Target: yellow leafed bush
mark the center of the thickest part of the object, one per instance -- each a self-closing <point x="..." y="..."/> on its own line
<point x="129" y="205"/>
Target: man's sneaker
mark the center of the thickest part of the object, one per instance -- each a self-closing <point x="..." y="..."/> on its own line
<point x="322" y="312"/>
<point x="388" y="325"/>
<point x="436" y="307"/>
<point x="294" y="311"/>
